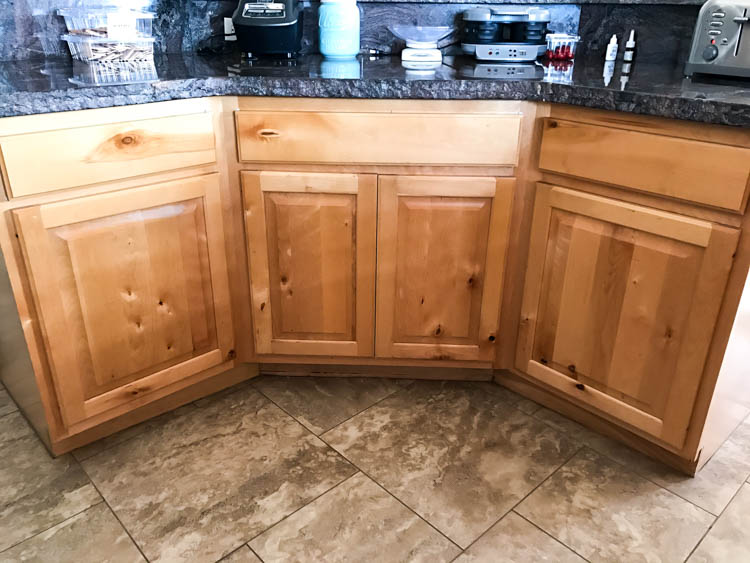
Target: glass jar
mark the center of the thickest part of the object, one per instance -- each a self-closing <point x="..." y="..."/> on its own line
<point x="338" y="29"/>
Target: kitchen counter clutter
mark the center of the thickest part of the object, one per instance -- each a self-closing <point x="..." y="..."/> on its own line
<point x="657" y="89"/>
<point x="272" y="219"/>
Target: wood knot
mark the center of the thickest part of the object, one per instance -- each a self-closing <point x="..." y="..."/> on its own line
<point x="127" y="140"/>
<point x="669" y="333"/>
<point x="262" y="306"/>
<point x="492" y="338"/>
<point x="470" y="281"/>
<point x="231" y="355"/>
<point x="580" y="386"/>
<point x="283" y="279"/>
<point x="543" y="361"/>
<point x="438" y="330"/>
<point x="572" y="368"/>
<point x="552" y="123"/>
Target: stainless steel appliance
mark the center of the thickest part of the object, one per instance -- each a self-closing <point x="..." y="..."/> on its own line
<point x="721" y="42"/>
<point x="269" y="27"/>
<point x="506" y="34"/>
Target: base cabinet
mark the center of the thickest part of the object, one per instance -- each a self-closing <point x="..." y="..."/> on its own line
<point x="131" y="289"/>
<point x="620" y="306"/>
<point x="441" y="254"/>
<point x="311" y="249"/>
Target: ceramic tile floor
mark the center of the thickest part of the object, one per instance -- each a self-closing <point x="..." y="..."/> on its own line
<point x="328" y="469"/>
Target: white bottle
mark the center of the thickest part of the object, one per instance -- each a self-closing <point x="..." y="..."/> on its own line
<point x="612" y="49"/>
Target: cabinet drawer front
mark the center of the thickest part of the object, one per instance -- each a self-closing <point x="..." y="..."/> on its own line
<point x="702" y="172"/>
<point x="378" y="138"/>
<point x="132" y="292"/>
<point x="89" y="155"/>
<point x="620" y="305"/>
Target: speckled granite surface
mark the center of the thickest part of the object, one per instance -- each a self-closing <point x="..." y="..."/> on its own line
<point x="28" y="87"/>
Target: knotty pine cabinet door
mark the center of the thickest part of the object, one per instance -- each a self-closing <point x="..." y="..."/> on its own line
<point x="620" y="305"/>
<point x="132" y="293"/>
<point x="311" y="248"/>
<point x="441" y="257"/>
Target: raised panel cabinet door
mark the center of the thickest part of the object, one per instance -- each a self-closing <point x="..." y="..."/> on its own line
<point x="441" y="257"/>
<point x="311" y="249"/>
<point x="620" y="305"/>
<point x="132" y="292"/>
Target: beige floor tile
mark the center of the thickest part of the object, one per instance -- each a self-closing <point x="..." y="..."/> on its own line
<point x="202" y="484"/>
<point x="456" y="453"/>
<point x="515" y="540"/>
<point x="99" y="446"/>
<point x="729" y="539"/>
<point x="36" y="491"/>
<point x="320" y="403"/>
<point x="356" y="521"/>
<point x="528" y="406"/>
<point x="93" y="536"/>
<point x="711" y="489"/>
<point x="241" y="555"/>
<point x="7" y="405"/>
<point x="605" y="512"/>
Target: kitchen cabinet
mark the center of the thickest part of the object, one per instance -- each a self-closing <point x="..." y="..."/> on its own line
<point x="311" y="249"/>
<point x="131" y="291"/>
<point x="620" y="306"/>
<point x="441" y="253"/>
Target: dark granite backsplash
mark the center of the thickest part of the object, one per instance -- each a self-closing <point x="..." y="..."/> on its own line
<point x="30" y="29"/>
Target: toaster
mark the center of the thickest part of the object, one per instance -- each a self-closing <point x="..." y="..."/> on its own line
<point x="265" y="27"/>
<point x="721" y="42"/>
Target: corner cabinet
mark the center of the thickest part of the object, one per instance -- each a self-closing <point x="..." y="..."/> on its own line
<point x="441" y="254"/>
<point x="131" y="289"/>
<point x="311" y="251"/>
<point x="620" y="306"/>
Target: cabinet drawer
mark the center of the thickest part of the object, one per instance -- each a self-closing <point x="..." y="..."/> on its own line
<point x="54" y="160"/>
<point x="378" y="138"/>
<point x="698" y="171"/>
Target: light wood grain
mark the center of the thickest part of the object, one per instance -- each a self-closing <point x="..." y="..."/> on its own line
<point x="673" y="167"/>
<point x="441" y="255"/>
<point x="83" y="156"/>
<point x="378" y="138"/>
<point x="311" y="242"/>
<point x="130" y="301"/>
<point x="618" y="316"/>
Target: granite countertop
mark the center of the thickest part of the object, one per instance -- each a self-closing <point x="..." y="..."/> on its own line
<point x="655" y="88"/>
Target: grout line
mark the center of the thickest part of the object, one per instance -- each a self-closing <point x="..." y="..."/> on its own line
<point x="401" y="502"/>
<point x="10" y="413"/>
<point x="711" y="527"/>
<point x="104" y="500"/>
<point x="546" y="533"/>
<point x="620" y="463"/>
<point x="256" y="553"/>
<point x="346" y="419"/>
<point x="366" y="474"/>
<point x="52" y="526"/>
<point x="531" y="492"/>
<point x="298" y="509"/>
